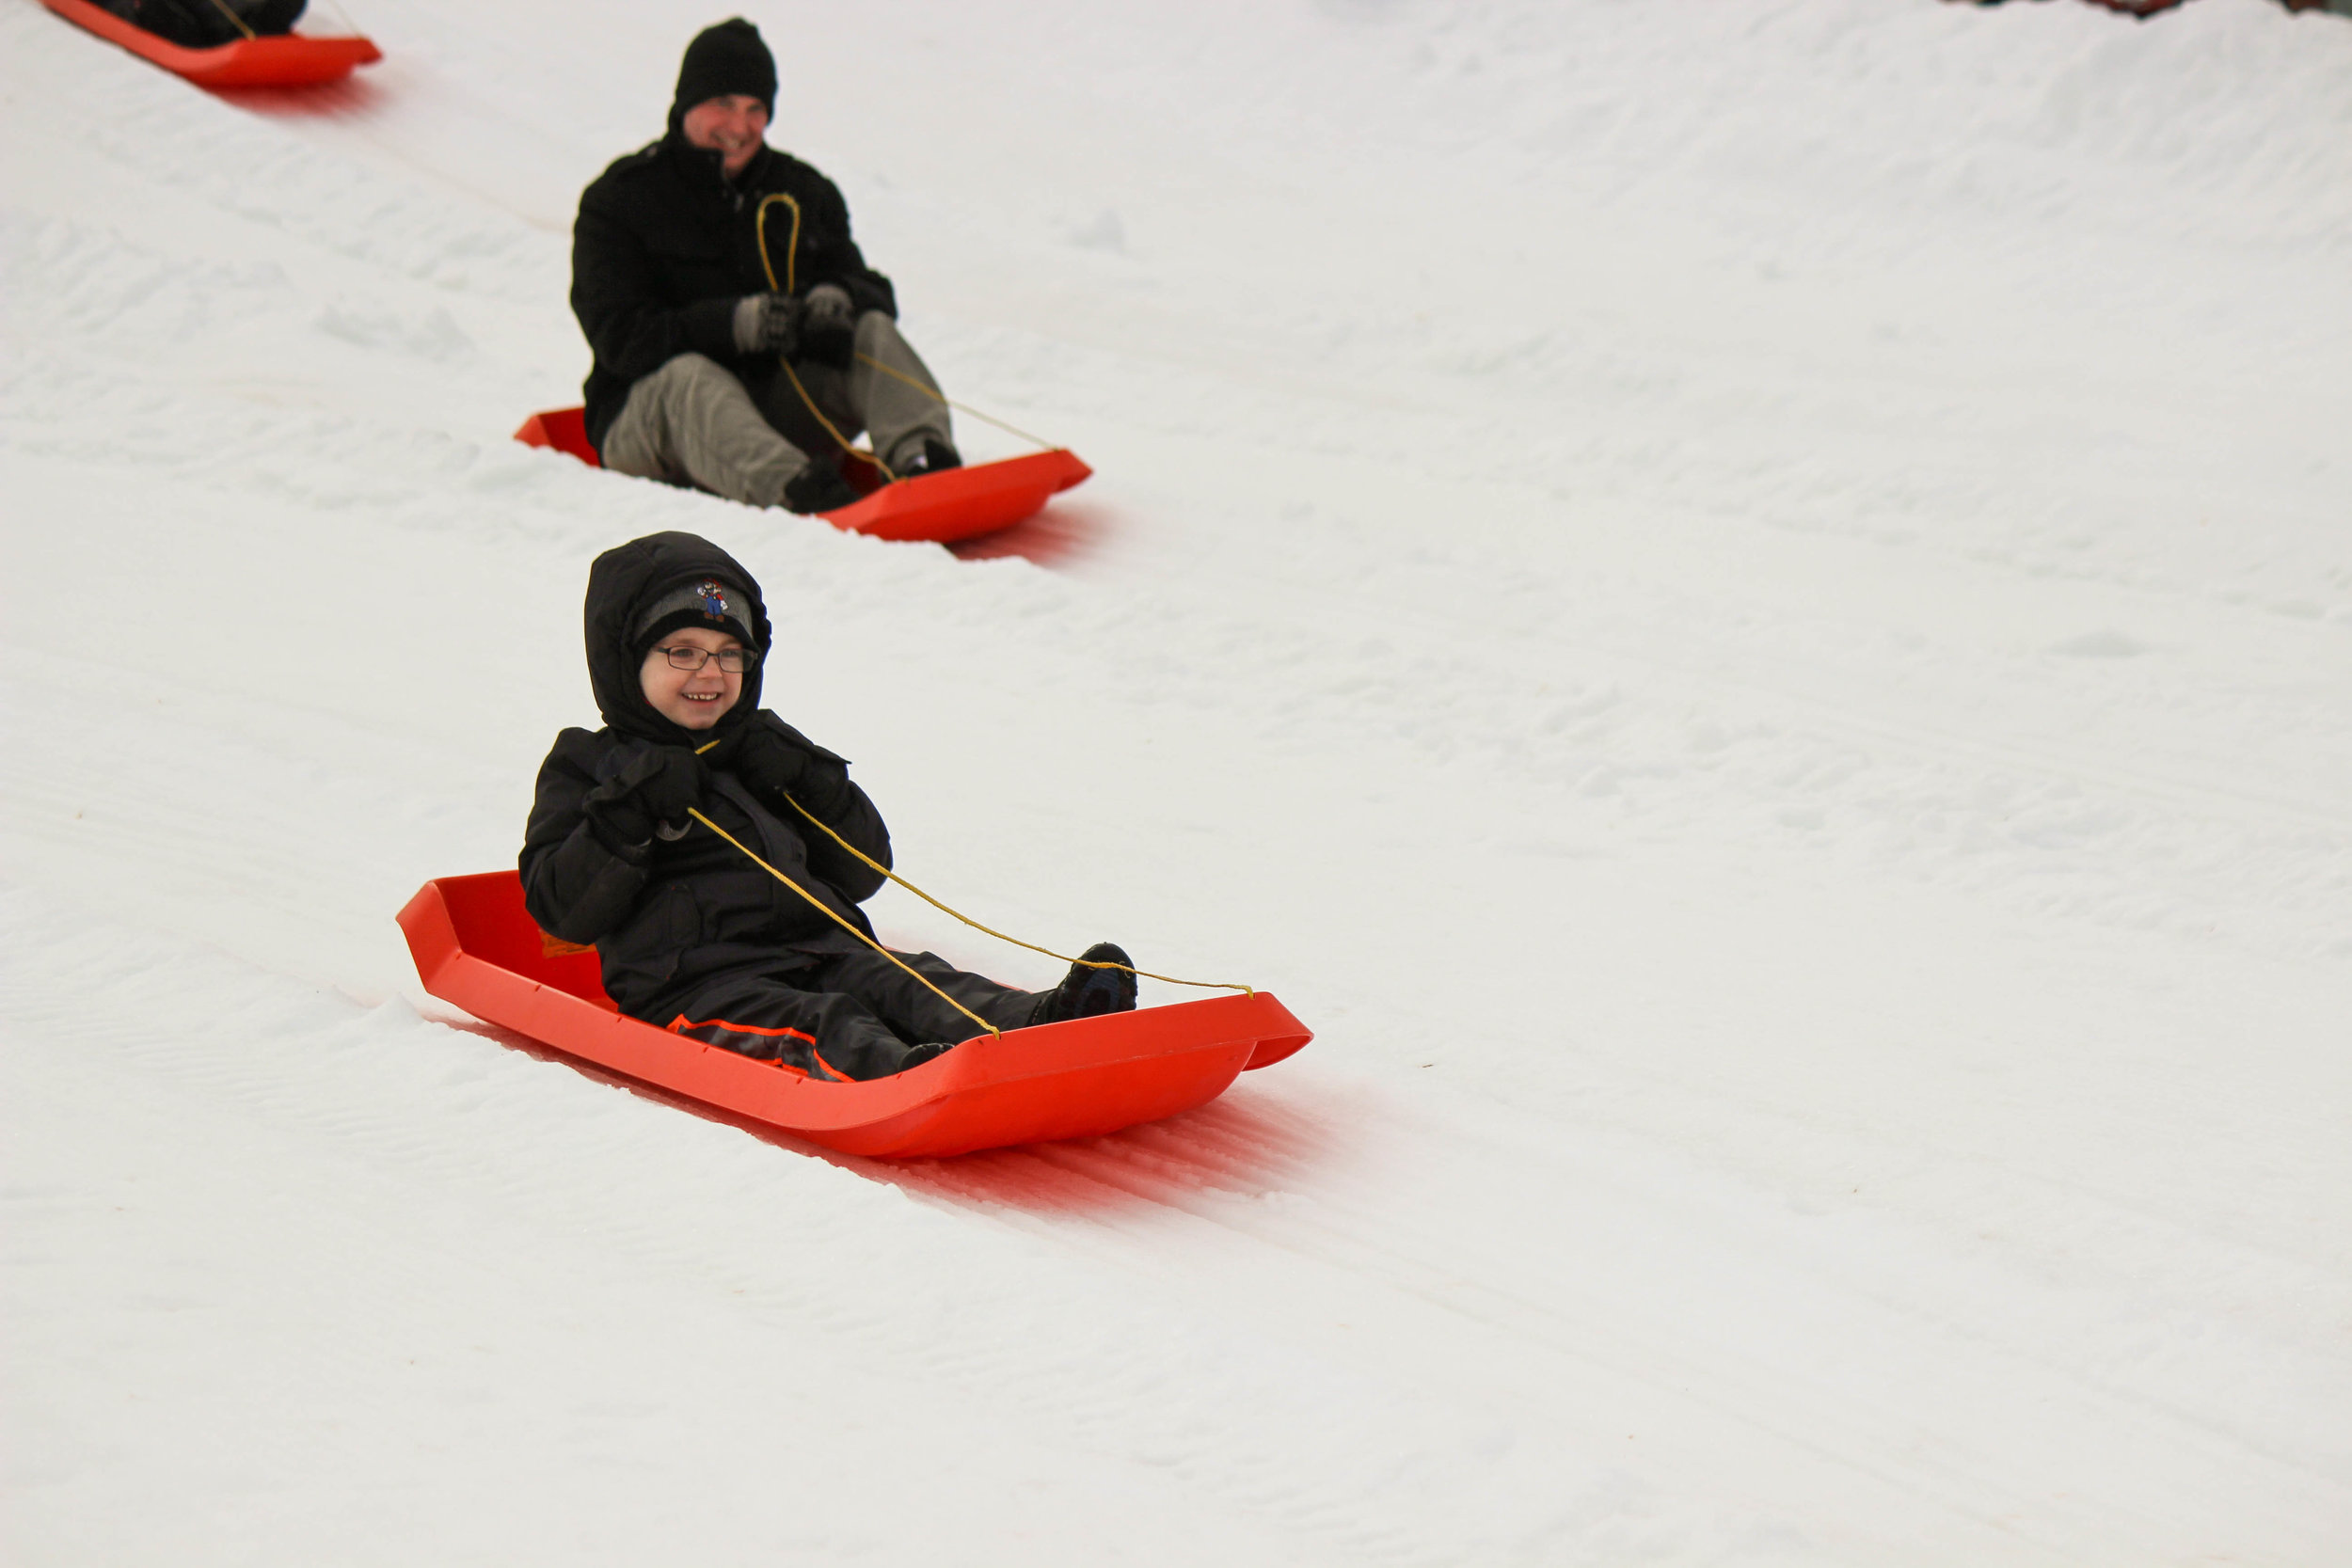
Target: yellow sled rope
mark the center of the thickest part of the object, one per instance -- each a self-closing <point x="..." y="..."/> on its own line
<point x="791" y="255"/>
<point x="1091" y="963"/>
<point x="832" y="914"/>
<point x="835" y="915"/>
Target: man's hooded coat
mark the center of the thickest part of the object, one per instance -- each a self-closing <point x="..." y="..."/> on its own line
<point x="668" y="916"/>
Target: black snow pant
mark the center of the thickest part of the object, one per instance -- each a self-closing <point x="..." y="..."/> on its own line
<point x="203" y="24"/>
<point x="850" y="1015"/>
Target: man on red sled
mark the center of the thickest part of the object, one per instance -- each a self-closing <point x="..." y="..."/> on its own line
<point x="732" y="316"/>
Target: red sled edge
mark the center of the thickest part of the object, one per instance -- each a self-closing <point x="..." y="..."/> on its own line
<point x="961" y="503"/>
<point x="475" y="947"/>
<point x="938" y="508"/>
<point x="564" y="430"/>
<point x="290" y="61"/>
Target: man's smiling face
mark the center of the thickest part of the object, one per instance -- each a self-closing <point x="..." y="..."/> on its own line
<point x="733" y="127"/>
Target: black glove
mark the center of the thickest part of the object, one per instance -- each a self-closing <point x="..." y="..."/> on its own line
<point x="768" y="762"/>
<point x="771" y="764"/>
<point x="828" y="327"/>
<point x="769" y="324"/>
<point x="653" y="792"/>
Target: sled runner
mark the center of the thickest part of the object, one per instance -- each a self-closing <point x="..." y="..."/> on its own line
<point x="284" y="60"/>
<point x="941" y="507"/>
<point x="476" y="947"/>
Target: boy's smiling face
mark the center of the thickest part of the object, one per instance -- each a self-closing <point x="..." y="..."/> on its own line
<point x="691" y="699"/>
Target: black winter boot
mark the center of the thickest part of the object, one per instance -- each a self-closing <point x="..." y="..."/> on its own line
<point x="917" y="1055"/>
<point x="818" y="487"/>
<point x="1089" y="992"/>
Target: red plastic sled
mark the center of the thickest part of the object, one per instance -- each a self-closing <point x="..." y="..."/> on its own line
<point x="475" y="947"/>
<point x="941" y="508"/>
<point x="290" y="60"/>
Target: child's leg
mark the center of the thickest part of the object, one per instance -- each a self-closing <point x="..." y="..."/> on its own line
<point x="826" y="1034"/>
<point x="913" y="1009"/>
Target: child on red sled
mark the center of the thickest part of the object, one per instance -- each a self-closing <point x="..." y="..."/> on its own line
<point x="692" y="935"/>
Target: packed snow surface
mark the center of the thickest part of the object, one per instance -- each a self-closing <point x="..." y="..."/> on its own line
<point x="1747" y="607"/>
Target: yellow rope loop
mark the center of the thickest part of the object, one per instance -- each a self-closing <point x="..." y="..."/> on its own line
<point x="874" y="864"/>
<point x="759" y="233"/>
<point x="791" y="264"/>
<point x="836" y="916"/>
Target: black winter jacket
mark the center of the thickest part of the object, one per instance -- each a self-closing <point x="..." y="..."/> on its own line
<point x="667" y="915"/>
<point x="665" y="245"/>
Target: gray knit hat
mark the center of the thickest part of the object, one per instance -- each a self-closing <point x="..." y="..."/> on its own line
<point x="710" y="603"/>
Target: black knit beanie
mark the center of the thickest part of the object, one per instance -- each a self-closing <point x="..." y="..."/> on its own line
<point x="722" y="60"/>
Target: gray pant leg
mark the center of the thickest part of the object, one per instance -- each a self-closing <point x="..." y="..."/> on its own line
<point x="901" y="416"/>
<point x="863" y="398"/>
<point x="691" y="419"/>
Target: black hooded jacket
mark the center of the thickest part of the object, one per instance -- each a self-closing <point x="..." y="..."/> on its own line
<point x="665" y="245"/>
<point x="666" y="915"/>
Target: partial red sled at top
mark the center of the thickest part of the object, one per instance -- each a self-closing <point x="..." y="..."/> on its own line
<point x="286" y="60"/>
<point x="476" y="946"/>
<point x="941" y="507"/>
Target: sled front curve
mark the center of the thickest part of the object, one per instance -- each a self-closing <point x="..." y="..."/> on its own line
<point x="286" y="60"/>
<point x="941" y="508"/>
<point x="961" y="503"/>
<point x="474" y="945"/>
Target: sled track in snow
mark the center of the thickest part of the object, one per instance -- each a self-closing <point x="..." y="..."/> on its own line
<point x="1219" y="1167"/>
<point x="1240" y="1187"/>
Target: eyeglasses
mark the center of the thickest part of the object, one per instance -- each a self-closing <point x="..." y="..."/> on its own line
<point x="734" y="661"/>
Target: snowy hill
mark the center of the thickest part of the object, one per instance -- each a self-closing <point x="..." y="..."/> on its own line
<point x="1748" y="608"/>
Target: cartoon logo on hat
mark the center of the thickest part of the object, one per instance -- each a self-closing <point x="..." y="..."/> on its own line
<point x="713" y="595"/>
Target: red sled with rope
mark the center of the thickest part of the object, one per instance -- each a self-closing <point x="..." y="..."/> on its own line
<point x="475" y="947"/>
<point x="941" y="508"/>
<point x="280" y="60"/>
